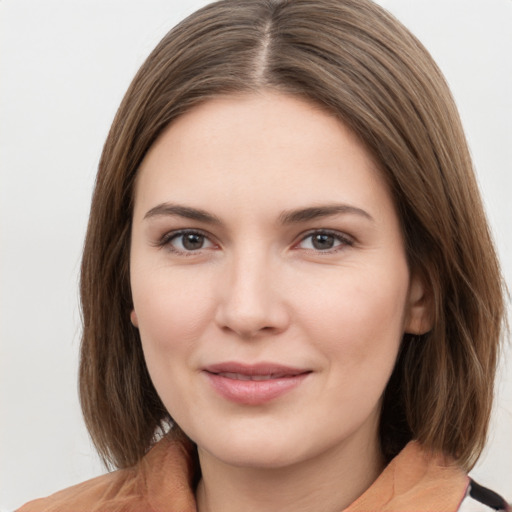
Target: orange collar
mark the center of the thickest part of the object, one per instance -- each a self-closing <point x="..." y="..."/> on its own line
<point x="415" y="480"/>
<point x="163" y="482"/>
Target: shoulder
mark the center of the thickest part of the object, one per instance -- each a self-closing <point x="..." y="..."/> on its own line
<point x="481" y="499"/>
<point x="161" y="481"/>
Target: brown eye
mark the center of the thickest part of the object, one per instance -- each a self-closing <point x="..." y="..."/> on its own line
<point x="324" y="241"/>
<point x="192" y="241"/>
<point x="186" y="241"/>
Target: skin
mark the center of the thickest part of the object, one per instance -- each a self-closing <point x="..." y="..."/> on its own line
<point x="259" y="287"/>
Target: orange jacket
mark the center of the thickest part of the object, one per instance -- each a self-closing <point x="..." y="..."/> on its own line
<point x="162" y="482"/>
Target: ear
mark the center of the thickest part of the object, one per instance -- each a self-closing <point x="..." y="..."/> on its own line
<point x="419" y="315"/>
<point x="134" y="319"/>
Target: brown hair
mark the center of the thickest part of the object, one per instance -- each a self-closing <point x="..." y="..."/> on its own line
<point x="362" y="65"/>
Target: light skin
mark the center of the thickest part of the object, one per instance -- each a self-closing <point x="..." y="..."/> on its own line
<point x="292" y="255"/>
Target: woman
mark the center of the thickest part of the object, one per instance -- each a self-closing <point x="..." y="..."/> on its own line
<point x="290" y="295"/>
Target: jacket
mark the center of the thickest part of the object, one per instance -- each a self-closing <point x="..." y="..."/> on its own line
<point x="163" y="482"/>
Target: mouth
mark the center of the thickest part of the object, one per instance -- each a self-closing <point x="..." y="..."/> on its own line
<point x="260" y="371"/>
<point x="253" y="384"/>
<point x="243" y="376"/>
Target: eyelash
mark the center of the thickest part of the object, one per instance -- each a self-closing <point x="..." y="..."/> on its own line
<point x="168" y="238"/>
<point x="345" y="241"/>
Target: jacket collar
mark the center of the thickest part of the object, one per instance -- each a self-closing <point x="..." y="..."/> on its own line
<point x="414" y="480"/>
<point x="164" y="481"/>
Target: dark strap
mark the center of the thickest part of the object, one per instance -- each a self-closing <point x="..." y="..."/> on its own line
<point x="487" y="497"/>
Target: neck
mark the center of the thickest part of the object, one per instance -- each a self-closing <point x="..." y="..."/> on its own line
<point x="328" y="482"/>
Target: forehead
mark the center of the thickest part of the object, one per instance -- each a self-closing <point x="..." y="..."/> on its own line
<point x="265" y="148"/>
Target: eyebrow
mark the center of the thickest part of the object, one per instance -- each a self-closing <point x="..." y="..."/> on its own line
<point x="318" y="212"/>
<point x="286" y="217"/>
<point x="175" y="210"/>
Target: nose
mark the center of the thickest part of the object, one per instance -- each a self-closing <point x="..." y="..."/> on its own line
<point x="251" y="303"/>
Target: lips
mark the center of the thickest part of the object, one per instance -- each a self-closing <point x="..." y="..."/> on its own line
<point x="253" y="384"/>
<point x="243" y="376"/>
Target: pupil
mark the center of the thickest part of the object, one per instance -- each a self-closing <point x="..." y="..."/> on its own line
<point x="323" y="241"/>
<point x="193" y="241"/>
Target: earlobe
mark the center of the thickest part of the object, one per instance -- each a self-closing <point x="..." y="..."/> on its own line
<point x="419" y="317"/>
<point x="134" y="319"/>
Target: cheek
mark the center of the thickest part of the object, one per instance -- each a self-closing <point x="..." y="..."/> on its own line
<point x="173" y="313"/>
<point x="358" y="320"/>
<point x="172" y="309"/>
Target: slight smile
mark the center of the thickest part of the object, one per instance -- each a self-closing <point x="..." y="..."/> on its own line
<point x="253" y="384"/>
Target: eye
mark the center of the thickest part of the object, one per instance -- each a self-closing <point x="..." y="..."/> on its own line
<point x="324" y="241"/>
<point x="186" y="241"/>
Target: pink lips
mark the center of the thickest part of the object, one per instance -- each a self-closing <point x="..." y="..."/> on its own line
<point x="253" y="384"/>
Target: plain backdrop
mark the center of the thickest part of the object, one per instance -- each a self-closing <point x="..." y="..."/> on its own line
<point x="64" y="67"/>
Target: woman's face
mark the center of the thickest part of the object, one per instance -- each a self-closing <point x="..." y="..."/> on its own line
<point x="269" y="279"/>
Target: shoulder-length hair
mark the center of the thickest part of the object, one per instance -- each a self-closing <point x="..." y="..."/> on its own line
<point x="360" y="64"/>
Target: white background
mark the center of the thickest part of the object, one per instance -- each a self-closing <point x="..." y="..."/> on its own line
<point x="64" y="66"/>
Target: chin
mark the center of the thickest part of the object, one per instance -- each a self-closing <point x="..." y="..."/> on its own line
<point x="252" y="448"/>
<point x="257" y="456"/>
